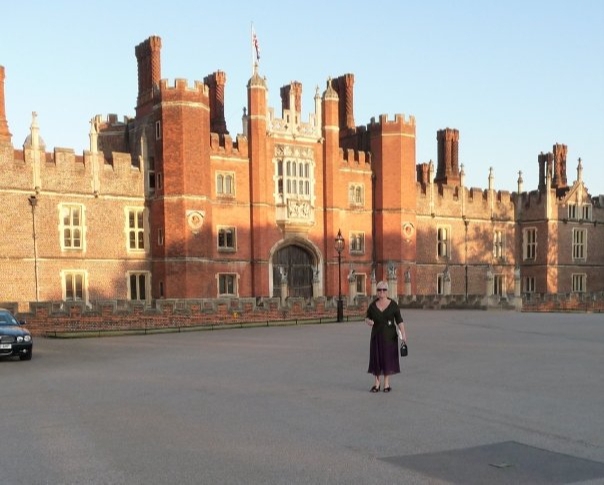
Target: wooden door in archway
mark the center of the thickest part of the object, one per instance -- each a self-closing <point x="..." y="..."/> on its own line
<point x="296" y="263"/>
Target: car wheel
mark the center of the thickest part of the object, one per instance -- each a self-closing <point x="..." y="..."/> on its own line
<point x="26" y="356"/>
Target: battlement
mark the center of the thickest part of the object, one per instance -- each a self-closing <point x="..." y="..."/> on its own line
<point x="64" y="171"/>
<point x="356" y="158"/>
<point x="534" y="198"/>
<point x="223" y="145"/>
<point x="181" y="90"/>
<point x="473" y="195"/>
<point x="111" y="119"/>
<point x="400" y="123"/>
<point x="476" y="194"/>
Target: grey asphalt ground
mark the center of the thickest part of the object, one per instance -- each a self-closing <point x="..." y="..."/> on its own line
<point x="483" y="398"/>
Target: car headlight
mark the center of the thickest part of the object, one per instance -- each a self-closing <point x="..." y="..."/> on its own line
<point x="19" y="338"/>
<point x="27" y="338"/>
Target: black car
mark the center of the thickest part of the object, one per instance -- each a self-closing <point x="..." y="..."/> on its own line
<point x="15" y="339"/>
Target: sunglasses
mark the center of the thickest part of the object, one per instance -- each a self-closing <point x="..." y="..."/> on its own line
<point x="382" y="289"/>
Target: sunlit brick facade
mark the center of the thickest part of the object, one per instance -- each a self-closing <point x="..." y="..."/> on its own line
<point x="168" y="204"/>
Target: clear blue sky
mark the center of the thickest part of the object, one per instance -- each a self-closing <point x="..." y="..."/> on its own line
<point x="513" y="77"/>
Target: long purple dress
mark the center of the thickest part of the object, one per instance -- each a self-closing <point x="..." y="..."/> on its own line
<point x="383" y="347"/>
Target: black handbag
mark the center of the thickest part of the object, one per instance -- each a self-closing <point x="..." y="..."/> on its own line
<point x="404" y="349"/>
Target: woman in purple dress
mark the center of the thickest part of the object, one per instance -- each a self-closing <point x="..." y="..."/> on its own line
<point x="384" y="317"/>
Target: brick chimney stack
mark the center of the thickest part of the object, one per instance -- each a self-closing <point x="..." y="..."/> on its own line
<point x="148" y="56"/>
<point x="5" y="135"/>
<point x="447" y="171"/>
<point x="344" y="86"/>
<point x="216" y="82"/>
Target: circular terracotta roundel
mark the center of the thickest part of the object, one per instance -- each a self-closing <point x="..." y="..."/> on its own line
<point x="195" y="219"/>
<point x="408" y="230"/>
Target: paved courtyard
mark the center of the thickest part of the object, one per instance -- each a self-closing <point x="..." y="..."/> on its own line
<point x="484" y="398"/>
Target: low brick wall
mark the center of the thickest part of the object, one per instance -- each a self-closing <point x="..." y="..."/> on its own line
<point x="54" y="318"/>
<point x="124" y="316"/>
<point x="557" y="303"/>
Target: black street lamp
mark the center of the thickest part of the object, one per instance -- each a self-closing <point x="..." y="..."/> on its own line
<point x="339" y="245"/>
<point x="33" y="201"/>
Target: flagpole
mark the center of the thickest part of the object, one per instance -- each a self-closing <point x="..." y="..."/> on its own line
<point x="252" y="44"/>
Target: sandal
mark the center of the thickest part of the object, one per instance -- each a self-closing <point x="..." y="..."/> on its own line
<point x="375" y="389"/>
<point x="387" y="389"/>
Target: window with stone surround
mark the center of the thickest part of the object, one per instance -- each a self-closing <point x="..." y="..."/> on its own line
<point x="225" y="184"/>
<point x="356" y="195"/>
<point x="443" y="241"/>
<point x="498" y="244"/>
<point x="498" y="285"/>
<point x="295" y="178"/>
<point x="72" y="226"/>
<point x="579" y="281"/>
<point x="586" y="212"/>
<point x="74" y="285"/>
<point x="226" y="239"/>
<point x="529" y="243"/>
<point x="360" y="282"/>
<point x="440" y="284"/>
<point x="357" y="242"/>
<point x="294" y="182"/>
<point x="227" y="284"/>
<point x="579" y="244"/>
<point x="139" y="287"/>
<point x="135" y="224"/>
<point x="529" y="284"/>
<point x="572" y="211"/>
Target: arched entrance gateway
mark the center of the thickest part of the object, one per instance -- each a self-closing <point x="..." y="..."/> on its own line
<point x="296" y="265"/>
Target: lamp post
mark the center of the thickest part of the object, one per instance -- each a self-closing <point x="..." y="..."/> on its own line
<point x="339" y="245"/>
<point x="33" y="201"/>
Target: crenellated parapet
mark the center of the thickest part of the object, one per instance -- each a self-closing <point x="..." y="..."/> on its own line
<point x="470" y="201"/>
<point x="224" y="145"/>
<point x="63" y="171"/>
<point x="111" y="134"/>
<point x="477" y="194"/>
<point x="400" y="124"/>
<point x="181" y="91"/>
<point x="356" y="159"/>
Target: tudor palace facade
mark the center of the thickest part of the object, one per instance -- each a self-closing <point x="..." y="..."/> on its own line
<point x="167" y="204"/>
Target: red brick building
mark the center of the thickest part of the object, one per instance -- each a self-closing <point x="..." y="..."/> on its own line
<point x="169" y="205"/>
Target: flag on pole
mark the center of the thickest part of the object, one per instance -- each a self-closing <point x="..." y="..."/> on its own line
<point x="255" y="44"/>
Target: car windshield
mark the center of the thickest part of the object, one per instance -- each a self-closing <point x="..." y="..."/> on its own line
<point x="7" y="319"/>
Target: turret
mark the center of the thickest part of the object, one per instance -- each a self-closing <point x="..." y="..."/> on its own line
<point x="260" y="171"/>
<point x="330" y="122"/>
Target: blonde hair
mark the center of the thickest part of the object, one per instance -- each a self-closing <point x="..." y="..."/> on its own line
<point x="382" y="284"/>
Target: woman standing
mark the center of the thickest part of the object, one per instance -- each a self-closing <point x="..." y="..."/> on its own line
<point x="384" y="316"/>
